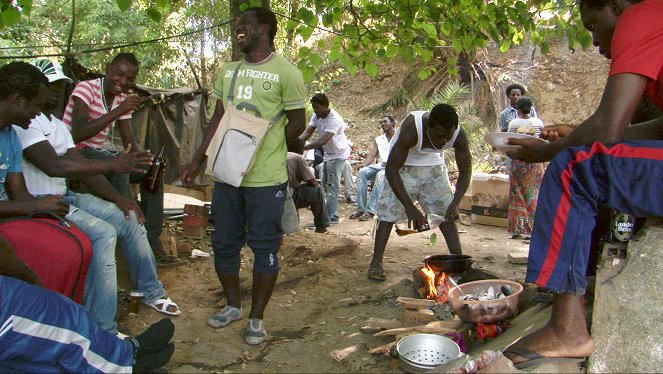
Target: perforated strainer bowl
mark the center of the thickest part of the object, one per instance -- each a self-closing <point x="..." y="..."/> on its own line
<point x="421" y="352"/>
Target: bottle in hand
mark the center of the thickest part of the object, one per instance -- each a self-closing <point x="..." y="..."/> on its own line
<point x="434" y="220"/>
<point x="155" y="173"/>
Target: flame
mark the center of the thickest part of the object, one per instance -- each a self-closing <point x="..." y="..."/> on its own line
<point x="429" y="276"/>
<point x="436" y="285"/>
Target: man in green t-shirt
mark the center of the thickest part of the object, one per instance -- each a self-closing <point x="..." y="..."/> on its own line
<point x="267" y="85"/>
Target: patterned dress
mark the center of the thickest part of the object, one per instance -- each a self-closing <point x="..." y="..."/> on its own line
<point x="525" y="180"/>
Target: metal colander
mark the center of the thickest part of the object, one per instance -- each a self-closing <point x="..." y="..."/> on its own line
<point x="426" y="351"/>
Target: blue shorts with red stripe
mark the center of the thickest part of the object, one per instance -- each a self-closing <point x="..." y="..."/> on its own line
<point x="626" y="176"/>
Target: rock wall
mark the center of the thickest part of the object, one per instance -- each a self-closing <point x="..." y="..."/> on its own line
<point x="627" y="318"/>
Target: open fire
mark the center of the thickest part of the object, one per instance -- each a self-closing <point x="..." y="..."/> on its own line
<point x="436" y="286"/>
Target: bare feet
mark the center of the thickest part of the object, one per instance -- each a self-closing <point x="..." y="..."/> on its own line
<point x="565" y="335"/>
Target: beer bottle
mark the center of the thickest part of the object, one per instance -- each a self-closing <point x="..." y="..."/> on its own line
<point x="155" y="173"/>
<point x="621" y="227"/>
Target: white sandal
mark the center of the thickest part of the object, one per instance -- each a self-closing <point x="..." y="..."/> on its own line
<point x="162" y="305"/>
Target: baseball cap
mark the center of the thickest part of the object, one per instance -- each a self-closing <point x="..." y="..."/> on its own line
<point x="51" y="69"/>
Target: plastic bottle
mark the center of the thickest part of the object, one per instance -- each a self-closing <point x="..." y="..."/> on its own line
<point x="155" y="173"/>
<point x="434" y="220"/>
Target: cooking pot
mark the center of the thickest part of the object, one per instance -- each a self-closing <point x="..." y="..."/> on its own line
<point x="449" y="263"/>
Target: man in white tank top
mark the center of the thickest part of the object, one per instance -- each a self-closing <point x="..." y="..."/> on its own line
<point x="416" y="171"/>
<point x="373" y="172"/>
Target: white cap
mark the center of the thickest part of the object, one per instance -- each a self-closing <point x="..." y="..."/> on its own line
<point x="51" y="69"/>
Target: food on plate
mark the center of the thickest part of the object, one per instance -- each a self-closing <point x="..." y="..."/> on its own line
<point x="528" y="130"/>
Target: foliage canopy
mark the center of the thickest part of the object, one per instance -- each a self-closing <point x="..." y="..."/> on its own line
<point x="358" y="34"/>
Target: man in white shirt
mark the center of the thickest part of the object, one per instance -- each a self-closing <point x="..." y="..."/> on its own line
<point x="50" y="156"/>
<point x="331" y="136"/>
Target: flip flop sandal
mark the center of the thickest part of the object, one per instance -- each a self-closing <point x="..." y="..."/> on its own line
<point x="376" y="275"/>
<point x="535" y="359"/>
<point x="356" y="214"/>
<point x="162" y="305"/>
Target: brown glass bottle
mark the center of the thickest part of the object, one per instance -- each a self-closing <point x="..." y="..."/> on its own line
<point x="155" y="173"/>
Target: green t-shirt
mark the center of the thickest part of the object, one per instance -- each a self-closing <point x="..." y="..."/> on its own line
<point x="272" y="87"/>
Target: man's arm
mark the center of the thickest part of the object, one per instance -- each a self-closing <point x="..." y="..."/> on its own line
<point x="82" y="129"/>
<point x="371" y="155"/>
<point x="406" y="140"/>
<point x="127" y="136"/>
<point x="100" y="187"/>
<point x="320" y="141"/>
<point x="296" y="123"/>
<point x="193" y="169"/>
<point x="464" y="163"/>
<point x="11" y="265"/>
<point x="608" y="124"/>
<point x="43" y="156"/>
<point x="307" y="132"/>
<point x="21" y="203"/>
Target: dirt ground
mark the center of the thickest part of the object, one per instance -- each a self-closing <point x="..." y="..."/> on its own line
<point x="313" y="320"/>
<point x="323" y="297"/>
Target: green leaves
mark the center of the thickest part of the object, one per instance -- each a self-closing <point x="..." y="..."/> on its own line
<point x="124" y="5"/>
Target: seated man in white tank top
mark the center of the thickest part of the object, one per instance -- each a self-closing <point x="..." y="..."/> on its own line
<point x="416" y="171"/>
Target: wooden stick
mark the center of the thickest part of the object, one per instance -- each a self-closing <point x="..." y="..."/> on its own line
<point x="383" y="349"/>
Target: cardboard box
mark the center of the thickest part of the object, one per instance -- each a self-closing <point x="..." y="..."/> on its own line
<point x="492" y="221"/>
<point x="466" y="202"/>
<point x="490" y="195"/>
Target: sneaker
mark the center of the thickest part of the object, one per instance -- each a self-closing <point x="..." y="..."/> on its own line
<point x="334" y="220"/>
<point x="225" y="316"/>
<point x="255" y="331"/>
<point x="321" y="230"/>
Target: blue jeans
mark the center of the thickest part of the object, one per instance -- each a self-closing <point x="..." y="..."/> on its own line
<point x="104" y="223"/>
<point x="368" y="173"/>
<point x="150" y="202"/>
<point x="331" y="179"/>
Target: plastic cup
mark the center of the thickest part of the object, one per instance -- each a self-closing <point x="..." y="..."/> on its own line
<point x="135" y="299"/>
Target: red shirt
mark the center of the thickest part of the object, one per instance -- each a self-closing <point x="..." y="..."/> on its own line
<point x="637" y="46"/>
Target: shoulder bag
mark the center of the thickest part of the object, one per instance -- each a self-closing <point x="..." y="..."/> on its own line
<point x="232" y="151"/>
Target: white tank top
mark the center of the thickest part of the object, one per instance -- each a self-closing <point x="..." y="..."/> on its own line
<point x="418" y="156"/>
<point x="383" y="147"/>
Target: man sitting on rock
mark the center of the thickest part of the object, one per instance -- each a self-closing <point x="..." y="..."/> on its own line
<point x="374" y="172"/>
<point x="603" y="162"/>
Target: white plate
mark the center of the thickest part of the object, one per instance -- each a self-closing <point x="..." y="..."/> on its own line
<point x="497" y="140"/>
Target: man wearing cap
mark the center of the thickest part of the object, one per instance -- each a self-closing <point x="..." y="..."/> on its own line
<point x="50" y="157"/>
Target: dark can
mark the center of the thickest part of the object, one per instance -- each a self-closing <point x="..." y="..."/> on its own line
<point x="622" y="226"/>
